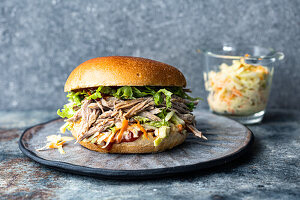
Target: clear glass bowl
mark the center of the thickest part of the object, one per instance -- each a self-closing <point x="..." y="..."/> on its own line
<point x="238" y="80"/>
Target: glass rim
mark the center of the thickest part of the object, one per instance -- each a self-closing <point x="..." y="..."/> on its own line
<point x="273" y="55"/>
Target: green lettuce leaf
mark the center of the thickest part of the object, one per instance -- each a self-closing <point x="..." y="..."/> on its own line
<point x="67" y="111"/>
<point x="96" y="94"/>
<point x="142" y="91"/>
<point x="77" y="97"/>
<point x="162" y="114"/>
<point x="179" y="92"/>
<point x="124" y="92"/>
<point x="107" y="90"/>
<point x="191" y="106"/>
<point x="158" y="99"/>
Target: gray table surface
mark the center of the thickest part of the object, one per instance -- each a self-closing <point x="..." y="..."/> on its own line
<point x="269" y="171"/>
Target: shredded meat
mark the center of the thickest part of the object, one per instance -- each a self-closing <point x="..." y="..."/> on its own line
<point x="138" y="107"/>
<point x="128" y="104"/>
<point x="97" y="116"/>
<point x="180" y="108"/>
<point x="100" y="106"/>
<point x="98" y="128"/>
<point x="106" y="114"/>
<point x="187" y="118"/>
<point x="154" y="110"/>
<point x="94" y="106"/>
<point x="109" y="102"/>
<point x="97" y="105"/>
<point x="181" y="100"/>
<point x="84" y="118"/>
<point x="149" y="115"/>
<point x="195" y="131"/>
<point x="75" y="117"/>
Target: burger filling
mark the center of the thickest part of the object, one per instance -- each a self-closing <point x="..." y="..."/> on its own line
<point x="108" y="115"/>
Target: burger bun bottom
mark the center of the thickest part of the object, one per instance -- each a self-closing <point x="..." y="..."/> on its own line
<point x="141" y="145"/>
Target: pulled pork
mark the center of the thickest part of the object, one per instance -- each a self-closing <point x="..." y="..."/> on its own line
<point x="101" y="115"/>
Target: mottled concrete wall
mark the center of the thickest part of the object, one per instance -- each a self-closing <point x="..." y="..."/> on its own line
<point x="42" y="41"/>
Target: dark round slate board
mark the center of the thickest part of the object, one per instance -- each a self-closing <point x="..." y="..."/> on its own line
<point x="227" y="140"/>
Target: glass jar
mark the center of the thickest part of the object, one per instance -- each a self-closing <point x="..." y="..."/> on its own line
<point x="238" y="80"/>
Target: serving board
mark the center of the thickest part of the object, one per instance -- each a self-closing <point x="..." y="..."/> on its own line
<point x="227" y="140"/>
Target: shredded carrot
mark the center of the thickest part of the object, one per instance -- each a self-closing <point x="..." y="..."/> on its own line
<point x="56" y="145"/>
<point x="227" y="99"/>
<point x="100" y="135"/>
<point x="60" y="143"/>
<point x="235" y="91"/>
<point x="261" y="68"/>
<point x="227" y="80"/>
<point x="123" y="128"/>
<point x="142" y="129"/>
<point x="56" y="142"/>
<point x="52" y="146"/>
<point x="180" y="127"/>
<point x="231" y="97"/>
<point x="106" y="139"/>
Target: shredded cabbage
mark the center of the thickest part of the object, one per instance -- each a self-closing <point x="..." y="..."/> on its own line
<point x="141" y="119"/>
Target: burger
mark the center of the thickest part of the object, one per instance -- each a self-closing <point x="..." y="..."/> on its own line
<point x="121" y="104"/>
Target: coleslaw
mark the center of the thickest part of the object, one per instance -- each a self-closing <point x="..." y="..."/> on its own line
<point x="56" y="142"/>
<point x="238" y="89"/>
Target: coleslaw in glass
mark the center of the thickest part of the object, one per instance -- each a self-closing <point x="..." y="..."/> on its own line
<point x="238" y="80"/>
<point x="238" y="89"/>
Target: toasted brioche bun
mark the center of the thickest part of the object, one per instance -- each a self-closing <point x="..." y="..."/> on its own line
<point x="141" y="145"/>
<point x="123" y="71"/>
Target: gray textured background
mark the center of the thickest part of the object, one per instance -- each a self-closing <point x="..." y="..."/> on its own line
<point x="42" y="41"/>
